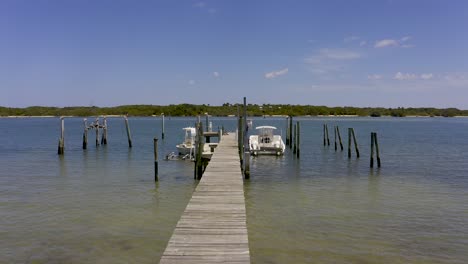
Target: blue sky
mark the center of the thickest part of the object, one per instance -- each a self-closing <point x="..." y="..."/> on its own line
<point x="335" y="53"/>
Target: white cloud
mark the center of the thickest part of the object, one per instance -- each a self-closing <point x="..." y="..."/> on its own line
<point x="274" y="74"/>
<point x="386" y="43"/>
<point x="339" y="54"/>
<point x="325" y="61"/>
<point x="374" y="77"/>
<point x="411" y="76"/>
<point x="191" y="82"/>
<point x="363" y="43"/>
<point x="427" y="76"/>
<point x="216" y="74"/>
<point x="404" y="39"/>
<point x="394" y="43"/>
<point x="405" y="76"/>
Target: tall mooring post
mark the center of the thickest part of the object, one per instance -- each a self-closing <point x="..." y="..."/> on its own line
<point x="376" y="144"/>
<point x="85" y="133"/>
<point x="295" y="139"/>
<point x="288" y="136"/>
<point x="129" y="136"/>
<point x="162" y="125"/>
<point x="339" y="137"/>
<point x="97" y="130"/>
<point x="104" y="132"/>
<point x="155" y="150"/>
<point x="290" y="130"/>
<point x="351" y="133"/>
<point x="245" y="142"/>
<point x="61" y="144"/>
<point x="298" y="139"/>
<point x="198" y="172"/>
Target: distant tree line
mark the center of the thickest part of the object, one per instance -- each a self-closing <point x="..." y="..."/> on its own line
<point x="228" y="109"/>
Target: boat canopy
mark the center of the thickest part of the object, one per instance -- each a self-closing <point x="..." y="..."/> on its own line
<point x="265" y="127"/>
<point x="189" y="129"/>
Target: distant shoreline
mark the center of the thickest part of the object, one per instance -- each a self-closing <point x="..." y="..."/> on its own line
<point x="284" y="116"/>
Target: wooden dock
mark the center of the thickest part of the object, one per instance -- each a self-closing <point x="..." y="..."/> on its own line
<point x="213" y="227"/>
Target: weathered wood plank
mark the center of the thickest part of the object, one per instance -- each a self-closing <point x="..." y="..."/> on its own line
<point x="213" y="227"/>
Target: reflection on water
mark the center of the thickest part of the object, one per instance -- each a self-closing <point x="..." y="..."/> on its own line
<point x="101" y="205"/>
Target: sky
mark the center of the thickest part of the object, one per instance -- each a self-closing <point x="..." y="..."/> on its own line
<point x="387" y="53"/>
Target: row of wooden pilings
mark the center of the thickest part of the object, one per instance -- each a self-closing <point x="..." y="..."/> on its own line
<point x="293" y="136"/>
<point x="352" y="138"/>
<point x="96" y="125"/>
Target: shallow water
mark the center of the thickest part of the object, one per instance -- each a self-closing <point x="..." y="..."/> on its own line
<point x="103" y="206"/>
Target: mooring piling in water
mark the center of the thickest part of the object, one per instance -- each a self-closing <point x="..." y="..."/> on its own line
<point x="61" y="144"/>
<point x="162" y="125"/>
<point x="351" y="134"/>
<point x="104" y="132"/>
<point x="324" y="136"/>
<point x="245" y="142"/>
<point x="334" y="131"/>
<point x="287" y="131"/>
<point x="96" y="126"/>
<point x="355" y="143"/>
<point x="349" y="142"/>
<point x="85" y="133"/>
<point x="376" y="143"/>
<point x="372" y="150"/>
<point x="290" y="130"/>
<point x="339" y="137"/>
<point x="155" y="149"/>
<point x="295" y="139"/>
<point x="328" y="138"/>
<point x="199" y="151"/>
<point x="129" y="136"/>
<point x="298" y="139"/>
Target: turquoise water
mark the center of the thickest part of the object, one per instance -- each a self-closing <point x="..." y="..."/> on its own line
<point x="103" y="206"/>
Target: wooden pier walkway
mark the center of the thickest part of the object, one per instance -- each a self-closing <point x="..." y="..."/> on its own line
<point x="213" y="227"/>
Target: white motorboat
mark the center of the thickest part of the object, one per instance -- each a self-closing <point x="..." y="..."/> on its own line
<point x="188" y="146"/>
<point x="265" y="142"/>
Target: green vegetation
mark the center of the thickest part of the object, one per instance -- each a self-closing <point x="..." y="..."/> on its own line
<point x="227" y="109"/>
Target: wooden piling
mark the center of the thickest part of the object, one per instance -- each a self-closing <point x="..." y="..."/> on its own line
<point x="247" y="165"/>
<point x="241" y="142"/>
<point x="200" y="151"/>
<point x="372" y="150"/>
<point x="129" y="136"/>
<point x="290" y="131"/>
<point x="349" y="142"/>
<point x="295" y="139"/>
<point x="104" y="133"/>
<point x="155" y="149"/>
<point x="355" y="143"/>
<point x="85" y="133"/>
<point x="324" y="137"/>
<point x="377" y="149"/>
<point x="328" y="138"/>
<point x="207" y="122"/>
<point x="245" y="143"/>
<point x="96" y="127"/>
<point x="162" y="126"/>
<point x="336" y="145"/>
<point x="339" y="137"/>
<point x="298" y="136"/>
<point x="61" y="144"/>
<point x="287" y="131"/>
